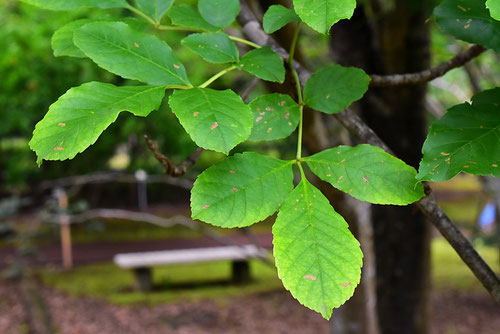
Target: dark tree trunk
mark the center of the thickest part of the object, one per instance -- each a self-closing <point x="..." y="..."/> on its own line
<point x="394" y="38"/>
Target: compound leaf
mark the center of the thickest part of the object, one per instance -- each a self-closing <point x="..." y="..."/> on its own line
<point x="465" y="139"/>
<point x="241" y="190"/>
<point x="322" y="14"/>
<point x="278" y="16"/>
<point x="130" y="54"/>
<point x="367" y="173"/>
<point x="263" y="63"/>
<point x="318" y="259"/>
<point x="215" y="120"/>
<point x="77" y="119"/>
<point x="275" y="116"/>
<point x="219" y="13"/>
<point x="334" y="88"/>
<point x="77" y="4"/>
<point x="154" y="8"/>
<point x="186" y="16"/>
<point x="470" y="21"/>
<point x="213" y="47"/>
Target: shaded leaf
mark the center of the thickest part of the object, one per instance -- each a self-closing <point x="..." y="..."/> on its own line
<point x="186" y="16"/>
<point x="318" y="259"/>
<point x="470" y="21"/>
<point x="213" y="47"/>
<point x="220" y="13"/>
<point x="62" y="40"/>
<point x="77" y="4"/>
<point x="322" y="14"/>
<point x="154" y="8"/>
<point x="275" y="116"/>
<point x="465" y="139"/>
<point x="334" y="88"/>
<point x="263" y="63"/>
<point x="278" y="16"/>
<point x="367" y="173"/>
<point x="241" y="190"/>
<point x="78" y="118"/>
<point x="130" y="54"/>
<point x="215" y="120"/>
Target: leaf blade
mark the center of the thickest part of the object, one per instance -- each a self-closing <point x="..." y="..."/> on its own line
<point x="465" y="139"/>
<point x="241" y="190"/>
<point x="213" y="47"/>
<point x="318" y="259"/>
<point x="275" y="116"/>
<point x="215" y="120"/>
<point x="334" y="88"/>
<point x="219" y="13"/>
<point x="278" y="16"/>
<point x="154" y="8"/>
<point x="186" y="16"/>
<point x="77" y="4"/>
<point x="322" y="14"/>
<point x="263" y="63"/>
<point x="78" y="118"/>
<point x="121" y="50"/>
<point x="367" y="173"/>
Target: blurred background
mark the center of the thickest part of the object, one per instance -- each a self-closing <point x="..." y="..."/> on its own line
<point x="62" y="224"/>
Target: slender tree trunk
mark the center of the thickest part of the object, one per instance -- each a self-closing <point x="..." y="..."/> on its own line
<point x="394" y="38"/>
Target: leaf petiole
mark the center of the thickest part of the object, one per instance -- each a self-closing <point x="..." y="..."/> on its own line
<point x="142" y="14"/>
<point x="244" y="41"/>
<point x="217" y="76"/>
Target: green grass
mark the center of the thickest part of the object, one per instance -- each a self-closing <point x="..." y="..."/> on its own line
<point x="450" y="273"/>
<point x="173" y="283"/>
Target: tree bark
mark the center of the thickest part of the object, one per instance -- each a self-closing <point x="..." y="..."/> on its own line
<point x="394" y="38"/>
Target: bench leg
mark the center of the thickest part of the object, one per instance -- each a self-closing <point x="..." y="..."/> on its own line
<point x="241" y="272"/>
<point x="143" y="279"/>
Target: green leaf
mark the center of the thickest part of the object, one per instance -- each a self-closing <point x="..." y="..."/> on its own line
<point x="62" y="40"/>
<point x="263" y="63"/>
<point x="322" y="14"/>
<point x="78" y="118"/>
<point x="154" y="8"/>
<point x="186" y="16"/>
<point x="241" y="190"/>
<point x="334" y="88"/>
<point x="470" y="21"/>
<point x="318" y="259"/>
<point x="220" y="13"/>
<point x="77" y="4"/>
<point x="213" y="47"/>
<point x="215" y="120"/>
<point x="119" y="49"/>
<point x="494" y="7"/>
<point x="367" y="173"/>
<point x="465" y="139"/>
<point x="278" y="16"/>
<point x="275" y="116"/>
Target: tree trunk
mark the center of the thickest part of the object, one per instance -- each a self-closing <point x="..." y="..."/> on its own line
<point x="394" y="38"/>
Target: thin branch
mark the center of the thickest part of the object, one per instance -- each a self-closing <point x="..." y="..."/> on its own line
<point x="253" y="30"/>
<point x="168" y="166"/>
<point x="429" y="74"/>
<point x="250" y="88"/>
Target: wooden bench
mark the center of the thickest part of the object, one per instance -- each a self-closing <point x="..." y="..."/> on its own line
<point x="142" y="262"/>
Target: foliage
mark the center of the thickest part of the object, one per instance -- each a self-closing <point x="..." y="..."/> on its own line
<point x="317" y="257"/>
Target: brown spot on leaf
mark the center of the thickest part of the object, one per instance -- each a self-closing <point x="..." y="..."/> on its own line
<point x="58" y="148"/>
<point x="345" y="285"/>
<point x="206" y="207"/>
<point x="328" y="96"/>
<point x="282" y="103"/>
<point x="262" y="113"/>
<point x="232" y="172"/>
<point x="287" y="114"/>
<point x="136" y="45"/>
<point x="269" y="109"/>
<point x="269" y="130"/>
<point x="214" y="126"/>
<point x="462" y="8"/>
<point x="62" y="124"/>
<point x="177" y="66"/>
<point x="365" y="179"/>
<point x="445" y="154"/>
<point x="495" y="165"/>
<point x="311" y="277"/>
<point x="258" y="119"/>
<point x="195" y="114"/>
<point x="234" y="190"/>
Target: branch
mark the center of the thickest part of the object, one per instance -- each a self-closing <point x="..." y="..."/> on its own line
<point x="253" y="30"/>
<point x="429" y="74"/>
<point x="170" y="168"/>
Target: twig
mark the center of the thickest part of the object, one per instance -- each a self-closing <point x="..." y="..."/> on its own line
<point x="429" y="74"/>
<point x="250" y="88"/>
<point x="170" y="168"/>
<point x="253" y="30"/>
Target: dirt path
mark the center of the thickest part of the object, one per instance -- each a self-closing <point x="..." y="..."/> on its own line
<point x="266" y="313"/>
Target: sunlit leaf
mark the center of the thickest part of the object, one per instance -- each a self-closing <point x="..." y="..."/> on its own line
<point x="77" y="4"/>
<point x="263" y="63"/>
<point x="276" y="17"/>
<point x="186" y="16"/>
<point x="322" y="14"/>
<point x="219" y="13"/>
<point x="213" y="47"/>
